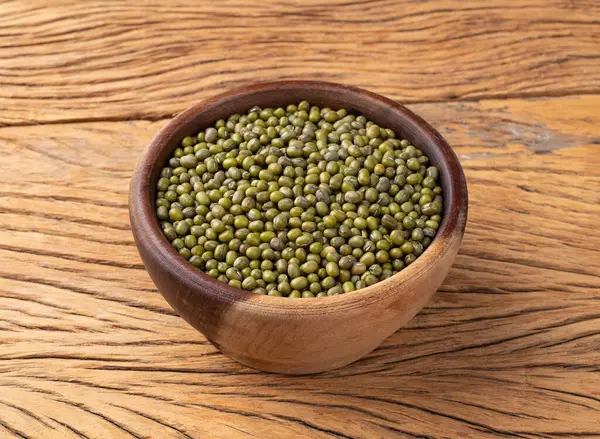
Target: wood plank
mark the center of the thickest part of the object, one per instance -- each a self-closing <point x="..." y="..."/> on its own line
<point x="82" y="61"/>
<point x="507" y="348"/>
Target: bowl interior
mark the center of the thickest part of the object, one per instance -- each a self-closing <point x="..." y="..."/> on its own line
<point x="382" y="111"/>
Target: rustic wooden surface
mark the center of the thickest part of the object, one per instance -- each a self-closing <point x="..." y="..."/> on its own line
<point x="509" y="347"/>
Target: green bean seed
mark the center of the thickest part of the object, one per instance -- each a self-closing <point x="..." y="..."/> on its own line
<point x="299" y="201"/>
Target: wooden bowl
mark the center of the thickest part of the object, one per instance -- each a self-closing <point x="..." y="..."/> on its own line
<point x="296" y="336"/>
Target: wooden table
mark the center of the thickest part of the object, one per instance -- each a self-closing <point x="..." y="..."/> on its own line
<point x="509" y="347"/>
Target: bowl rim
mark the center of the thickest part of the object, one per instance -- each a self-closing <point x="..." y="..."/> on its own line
<point x="143" y="219"/>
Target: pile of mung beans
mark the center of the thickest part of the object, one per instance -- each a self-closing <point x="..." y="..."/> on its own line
<point x="299" y="201"/>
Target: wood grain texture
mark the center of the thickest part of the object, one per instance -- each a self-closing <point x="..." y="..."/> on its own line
<point x="106" y="60"/>
<point x="507" y="348"/>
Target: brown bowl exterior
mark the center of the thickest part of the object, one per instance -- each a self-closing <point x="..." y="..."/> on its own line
<point x="305" y="335"/>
